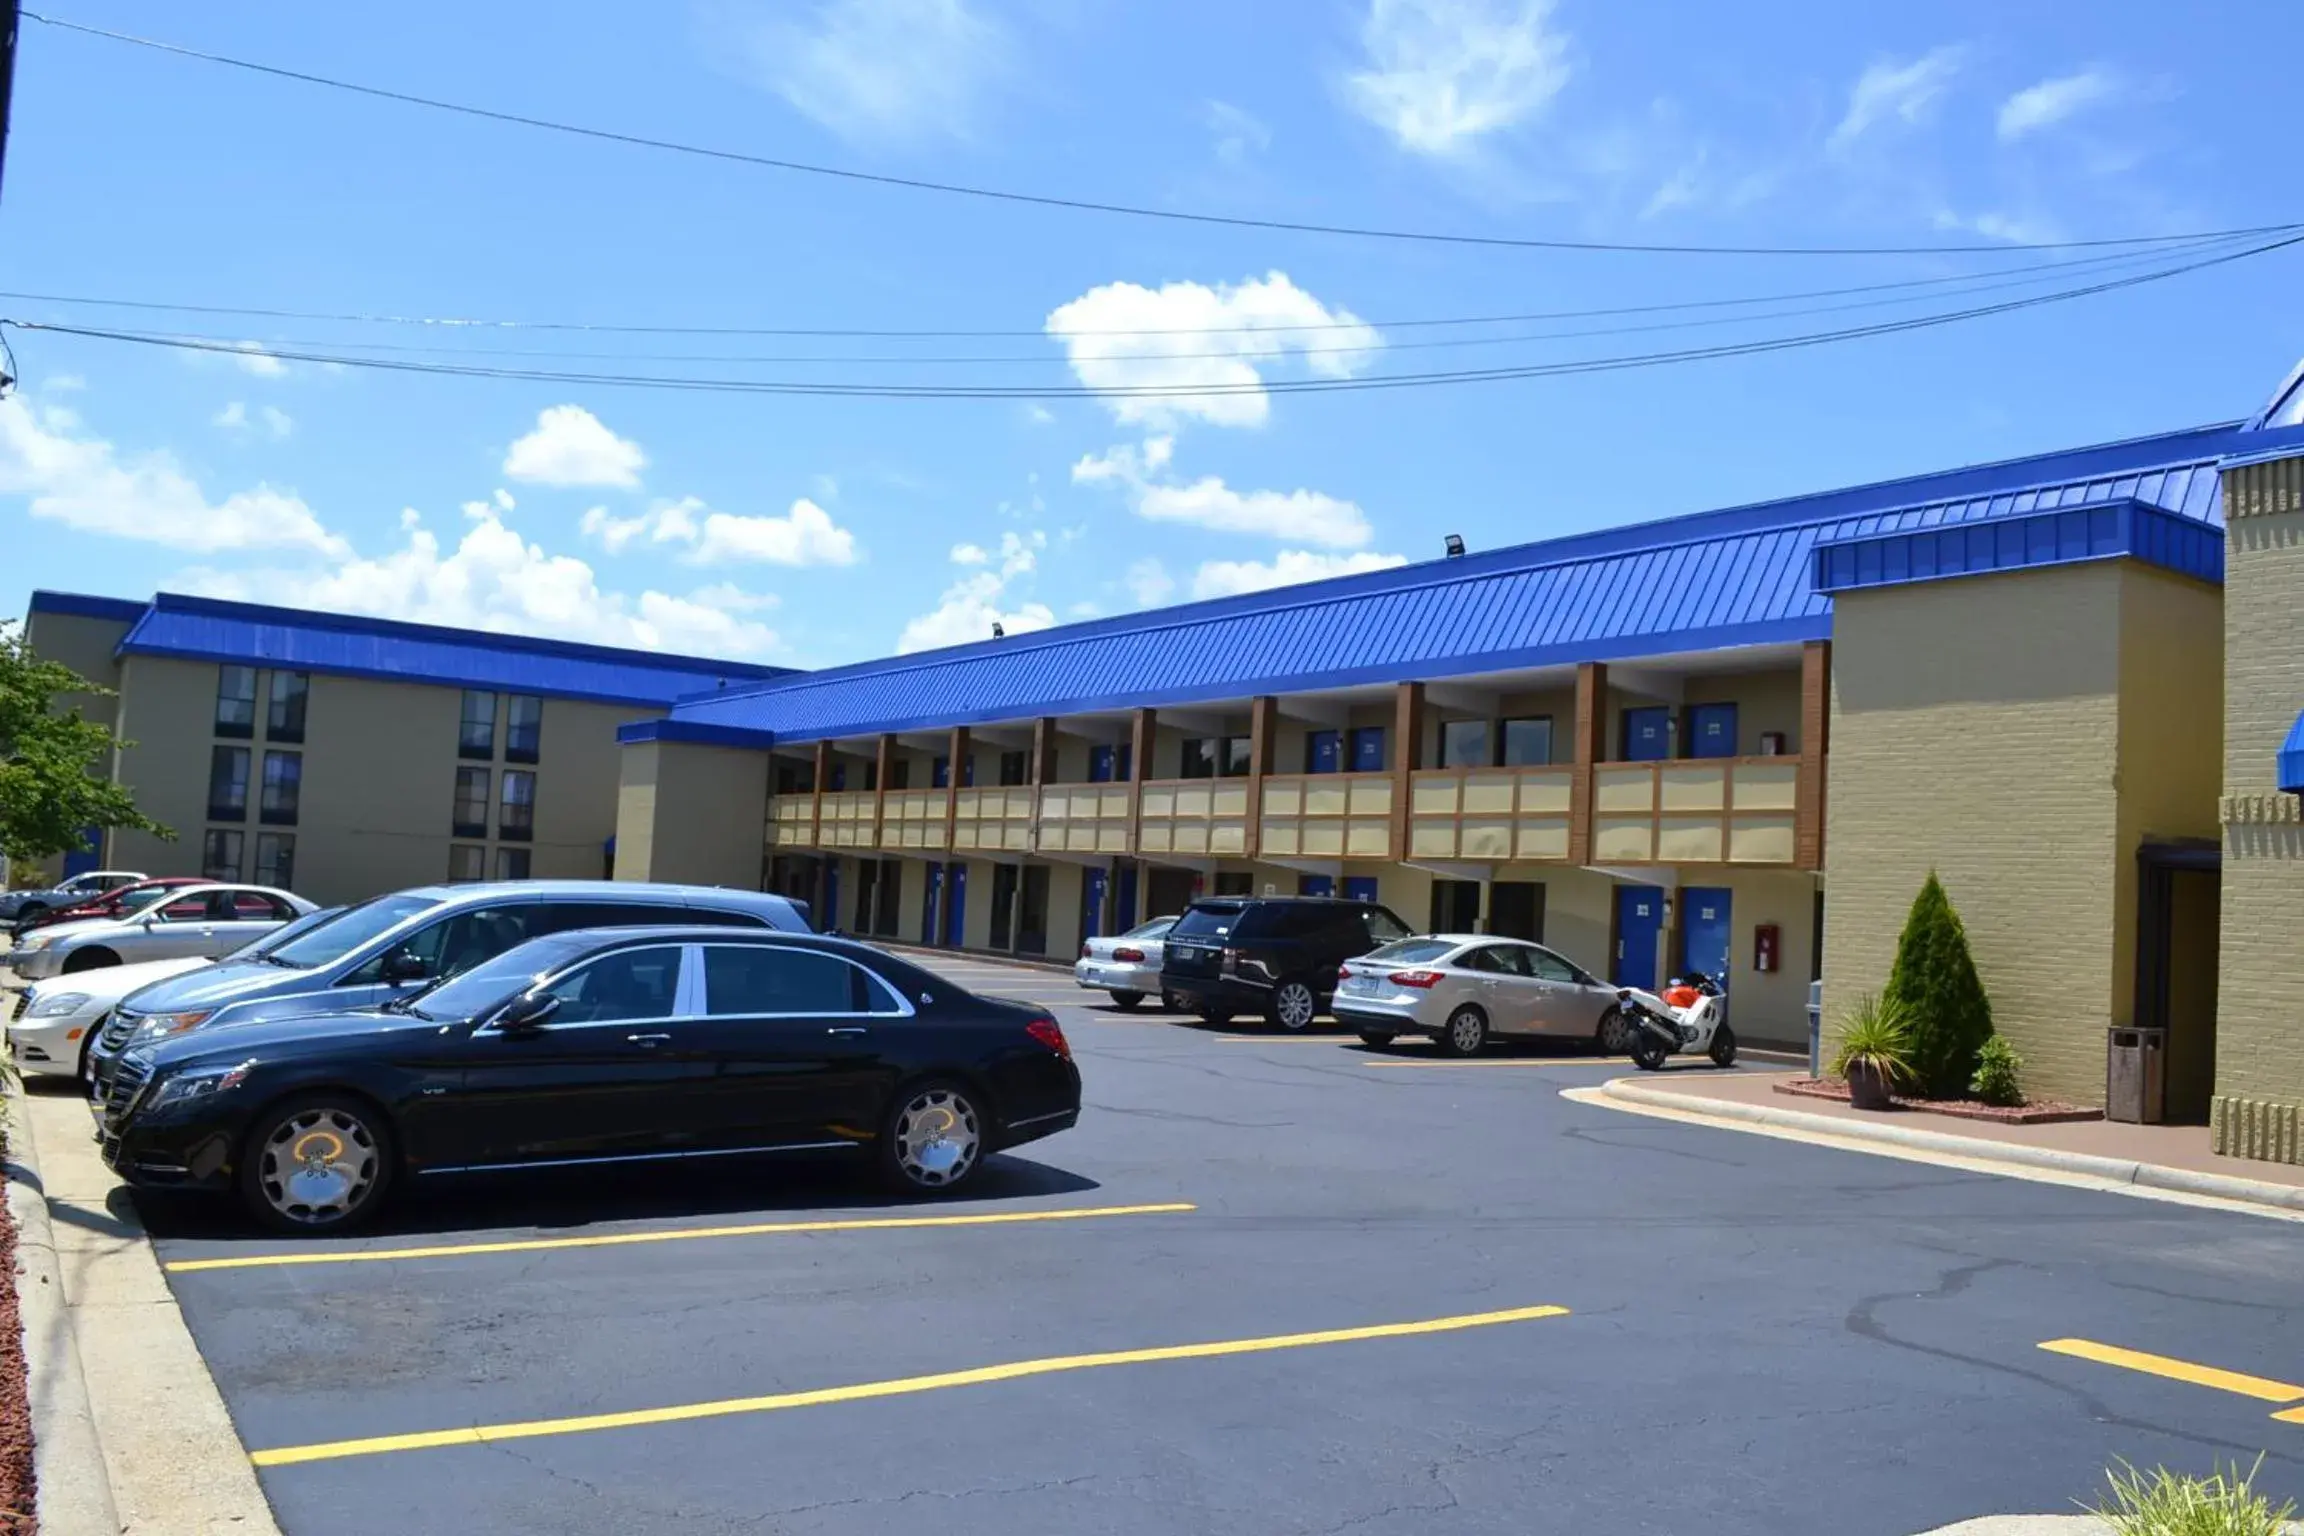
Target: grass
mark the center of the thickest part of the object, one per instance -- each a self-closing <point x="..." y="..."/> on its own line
<point x="2165" y="1503"/>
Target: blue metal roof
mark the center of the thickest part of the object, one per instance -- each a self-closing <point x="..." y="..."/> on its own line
<point x="251" y="634"/>
<point x="2292" y="760"/>
<point x="1709" y="581"/>
<point x="2063" y="536"/>
<point x="83" y="605"/>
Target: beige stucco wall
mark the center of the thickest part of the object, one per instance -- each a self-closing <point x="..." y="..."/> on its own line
<point x="168" y="708"/>
<point x="2259" y="1105"/>
<point x="86" y="646"/>
<point x="693" y="814"/>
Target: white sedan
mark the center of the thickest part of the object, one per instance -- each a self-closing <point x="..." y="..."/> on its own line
<point x="198" y="922"/>
<point x="1466" y="989"/>
<point x="54" y="1019"/>
<point x="1127" y="966"/>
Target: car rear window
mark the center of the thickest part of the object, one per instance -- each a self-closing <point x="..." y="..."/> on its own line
<point x="1208" y="922"/>
<point x="1412" y="951"/>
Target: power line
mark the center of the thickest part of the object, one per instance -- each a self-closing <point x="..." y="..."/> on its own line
<point x="791" y="387"/>
<point x="461" y="323"/>
<point x="1089" y="205"/>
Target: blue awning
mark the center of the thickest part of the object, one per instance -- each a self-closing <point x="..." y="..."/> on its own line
<point x="2292" y="759"/>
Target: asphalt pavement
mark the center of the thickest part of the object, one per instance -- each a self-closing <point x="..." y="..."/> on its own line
<point x="1302" y="1287"/>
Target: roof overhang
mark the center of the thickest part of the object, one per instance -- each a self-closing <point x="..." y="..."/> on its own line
<point x="2108" y="530"/>
<point x="2292" y="760"/>
<point x="694" y="733"/>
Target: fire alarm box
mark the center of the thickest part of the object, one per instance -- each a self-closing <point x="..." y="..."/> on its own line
<point x="1767" y="947"/>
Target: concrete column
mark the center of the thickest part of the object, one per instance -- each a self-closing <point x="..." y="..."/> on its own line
<point x="1407" y="757"/>
<point x="1590" y="746"/>
<point x="1815" y="730"/>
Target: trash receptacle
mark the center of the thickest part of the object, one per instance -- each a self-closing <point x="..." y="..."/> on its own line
<point x="1816" y="1028"/>
<point x="2135" y="1075"/>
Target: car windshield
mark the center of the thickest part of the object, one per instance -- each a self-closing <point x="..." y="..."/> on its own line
<point x="259" y="949"/>
<point x="324" y="944"/>
<point x="1207" y="922"/>
<point x="1412" y="951"/>
<point x="471" y="993"/>
<point x="1150" y="930"/>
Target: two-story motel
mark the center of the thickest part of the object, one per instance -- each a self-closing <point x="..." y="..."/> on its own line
<point x="2064" y="682"/>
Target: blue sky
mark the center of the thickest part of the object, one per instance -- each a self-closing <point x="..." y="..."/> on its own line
<point x="812" y="531"/>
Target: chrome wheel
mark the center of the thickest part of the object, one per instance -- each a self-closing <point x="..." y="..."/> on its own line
<point x="319" y="1166"/>
<point x="1294" y="1006"/>
<point x="937" y="1138"/>
<point x="1613" y="1037"/>
<point x="1467" y="1031"/>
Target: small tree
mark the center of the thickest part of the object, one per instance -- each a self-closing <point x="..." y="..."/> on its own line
<point x="1934" y="981"/>
<point x="50" y="761"/>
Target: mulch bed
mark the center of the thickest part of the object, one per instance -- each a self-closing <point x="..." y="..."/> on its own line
<point x="2038" y="1112"/>
<point x="16" y="1487"/>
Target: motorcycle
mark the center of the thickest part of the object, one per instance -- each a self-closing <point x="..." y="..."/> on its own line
<point x="1691" y="1017"/>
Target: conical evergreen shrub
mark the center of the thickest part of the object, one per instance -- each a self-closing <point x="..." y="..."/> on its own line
<point x="1934" y="980"/>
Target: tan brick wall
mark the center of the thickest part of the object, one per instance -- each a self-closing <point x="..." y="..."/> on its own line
<point x="2259" y="1108"/>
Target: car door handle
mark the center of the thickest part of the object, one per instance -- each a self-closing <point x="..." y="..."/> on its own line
<point x="852" y="1029"/>
<point x="650" y="1041"/>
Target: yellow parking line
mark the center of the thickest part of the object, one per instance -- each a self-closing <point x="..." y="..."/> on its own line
<point x="2258" y="1387"/>
<point x="674" y="1235"/>
<point x="1509" y="1061"/>
<point x="484" y="1434"/>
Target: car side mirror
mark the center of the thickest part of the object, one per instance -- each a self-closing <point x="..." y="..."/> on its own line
<point x="403" y="965"/>
<point x="527" y="1011"/>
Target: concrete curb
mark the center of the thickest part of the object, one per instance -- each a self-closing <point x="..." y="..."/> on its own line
<point x="2116" y="1170"/>
<point x="75" y="1485"/>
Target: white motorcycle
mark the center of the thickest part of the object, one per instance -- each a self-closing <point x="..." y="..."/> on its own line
<point x="1691" y="1018"/>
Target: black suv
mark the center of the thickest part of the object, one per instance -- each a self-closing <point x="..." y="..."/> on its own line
<point x="1273" y="955"/>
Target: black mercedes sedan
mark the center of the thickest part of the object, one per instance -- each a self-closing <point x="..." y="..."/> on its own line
<point x="604" y="1045"/>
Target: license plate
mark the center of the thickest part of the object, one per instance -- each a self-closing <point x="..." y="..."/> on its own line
<point x="1359" y="983"/>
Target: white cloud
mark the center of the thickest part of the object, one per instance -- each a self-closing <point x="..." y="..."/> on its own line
<point x="1224" y="578"/>
<point x="1189" y="336"/>
<point x="84" y="483"/>
<point x="253" y="357"/>
<point x="1905" y="92"/>
<point x="1038" y="415"/>
<point x="2015" y="228"/>
<point x="1237" y="133"/>
<point x="969" y="554"/>
<point x="236" y="418"/>
<point x="1149" y="582"/>
<point x="967" y="612"/>
<point x="2052" y="101"/>
<point x="1084" y="609"/>
<point x="570" y="446"/>
<point x="1305" y="516"/>
<point x="806" y="535"/>
<point x="1443" y="74"/>
<point x="879" y="69"/>
<point x="495" y="580"/>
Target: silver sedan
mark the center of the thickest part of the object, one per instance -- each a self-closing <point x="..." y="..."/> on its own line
<point x="195" y="922"/>
<point x="1127" y="966"/>
<point x="1465" y="990"/>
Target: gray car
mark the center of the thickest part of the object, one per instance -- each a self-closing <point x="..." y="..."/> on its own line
<point x="395" y="943"/>
<point x="1465" y="989"/>
<point x="194" y="922"/>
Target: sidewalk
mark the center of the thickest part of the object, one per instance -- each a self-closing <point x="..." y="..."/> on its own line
<point x="2173" y="1157"/>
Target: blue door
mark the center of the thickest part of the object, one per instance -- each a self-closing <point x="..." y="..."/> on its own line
<point x="1639" y="918"/>
<point x="1317" y="885"/>
<point x="940" y="774"/>
<point x="956" y="926"/>
<point x="1368" y="752"/>
<point x="931" y="905"/>
<point x="1126" y="917"/>
<point x="1360" y="887"/>
<point x="1099" y="767"/>
<point x="1711" y="731"/>
<point x="1647" y="734"/>
<point x="1323" y="751"/>
<point x="1092" y="902"/>
<point x="84" y="858"/>
<point x="1705" y="931"/>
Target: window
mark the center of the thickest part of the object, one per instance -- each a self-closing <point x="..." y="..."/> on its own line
<point x="1382" y="926"/>
<point x="228" y="784"/>
<point x="454" y="946"/>
<point x="1012" y="767"/>
<point x="770" y="979"/>
<point x="1527" y="741"/>
<point x="194" y="909"/>
<point x="326" y="943"/>
<point x="839" y="778"/>
<point x="631" y="984"/>
<point x="471" y="816"/>
<point x="276" y="860"/>
<point x="512" y="863"/>
<point x="1488" y="960"/>
<point x="236" y="702"/>
<point x="1199" y="758"/>
<point x="1235" y="883"/>
<point x="516" y="818"/>
<point x="256" y="907"/>
<point x="523" y="728"/>
<point x="1236" y="757"/>
<point x="476" y="735"/>
<point x="900" y="775"/>
<point x="1411" y="951"/>
<point x="220" y="854"/>
<point x="1547" y="966"/>
<point x="467" y="864"/>
<point x="795" y="778"/>
<point x="284" y="715"/>
<point x="1464" y="744"/>
<point x="283" y="787"/>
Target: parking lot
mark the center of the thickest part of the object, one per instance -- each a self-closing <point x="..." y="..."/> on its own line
<point x="1270" y="1284"/>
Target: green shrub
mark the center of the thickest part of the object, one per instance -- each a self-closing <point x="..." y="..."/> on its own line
<point x="1934" y="982"/>
<point x="2166" y="1504"/>
<point x="1997" y="1069"/>
<point x="1877" y="1032"/>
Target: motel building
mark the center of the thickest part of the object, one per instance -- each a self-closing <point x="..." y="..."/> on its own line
<point x="1735" y="742"/>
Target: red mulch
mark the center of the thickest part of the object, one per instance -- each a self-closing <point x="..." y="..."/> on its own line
<point x="16" y="1488"/>
<point x="2037" y="1112"/>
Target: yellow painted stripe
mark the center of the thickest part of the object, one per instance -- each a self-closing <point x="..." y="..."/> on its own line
<point x="2258" y="1387"/>
<point x="671" y="1235"/>
<point x="1474" y="1066"/>
<point x="485" y="1434"/>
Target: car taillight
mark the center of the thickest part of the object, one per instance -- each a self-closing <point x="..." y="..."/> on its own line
<point x="1129" y="956"/>
<point x="1083" y="949"/>
<point x="1050" y="1034"/>
<point x="1231" y="962"/>
<point x="1414" y="978"/>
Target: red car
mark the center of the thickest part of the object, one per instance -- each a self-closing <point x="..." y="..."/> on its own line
<point x="117" y="902"/>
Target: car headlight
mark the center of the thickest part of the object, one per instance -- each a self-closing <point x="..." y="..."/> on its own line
<point x="56" y="1007"/>
<point x="198" y="1083"/>
<point x="34" y="940"/>
<point x="159" y="1026"/>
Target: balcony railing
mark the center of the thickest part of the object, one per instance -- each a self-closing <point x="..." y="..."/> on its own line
<point x="1490" y="813"/>
<point x="846" y="820"/>
<point x="1195" y="816"/>
<point x="789" y="821"/>
<point x="993" y="819"/>
<point x="1729" y="810"/>
<point x="1327" y="816"/>
<point x="1083" y="818"/>
<point x="913" y="818"/>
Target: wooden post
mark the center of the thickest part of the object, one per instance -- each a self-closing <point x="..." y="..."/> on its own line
<point x="882" y="760"/>
<point x="816" y="805"/>
<point x="955" y="759"/>
<point x="1143" y="733"/>
<point x="1591" y="747"/>
<point x="1815" y="734"/>
<point x="1407" y="757"/>
<point x="1043" y="766"/>
<point x="1263" y="741"/>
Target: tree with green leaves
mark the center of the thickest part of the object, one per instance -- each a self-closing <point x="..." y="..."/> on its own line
<point x="52" y="762"/>
<point x="1934" y="982"/>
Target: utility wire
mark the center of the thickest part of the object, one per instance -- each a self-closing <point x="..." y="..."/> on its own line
<point x="1163" y="391"/>
<point x="1088" y="205"/>
<point x="461" y="323"/>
